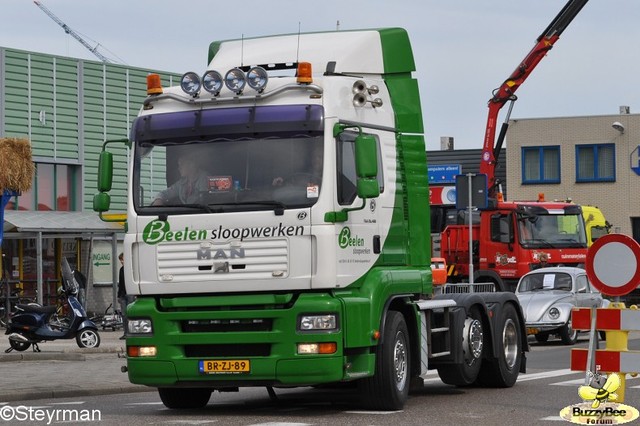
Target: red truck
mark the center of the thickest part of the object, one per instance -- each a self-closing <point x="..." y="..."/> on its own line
<point x="513" y="237"/>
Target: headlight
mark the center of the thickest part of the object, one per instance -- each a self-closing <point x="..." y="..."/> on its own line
<point x="235" y="80"/>
<point x="190" y="83"/>
<point x="212" y="82"/>
<point x="257" y="79"/>
<point x="327" y="322"/>
<point x="139" y="326"/>
<point x="554" y="313"/>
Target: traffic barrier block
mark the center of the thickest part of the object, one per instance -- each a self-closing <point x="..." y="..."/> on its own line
<point x="616" y="321"/>
<point x="607" y="360"/>
<point x="606" y="319"/>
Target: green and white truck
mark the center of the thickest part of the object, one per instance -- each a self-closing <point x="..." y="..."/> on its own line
<point x="300" y="255"/>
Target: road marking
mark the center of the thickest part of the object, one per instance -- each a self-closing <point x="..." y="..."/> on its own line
<point x="545" y="374"/>
<point x="578" y="382"/>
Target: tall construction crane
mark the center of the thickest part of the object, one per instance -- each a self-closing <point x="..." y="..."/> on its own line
<point x="73" y="34"/>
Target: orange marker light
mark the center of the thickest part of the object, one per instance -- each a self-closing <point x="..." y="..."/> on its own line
<point x="304" y="73"/>
<point x="327" y="348"/>
<point x="541" y="197"/>
<point x="154" y="85"/>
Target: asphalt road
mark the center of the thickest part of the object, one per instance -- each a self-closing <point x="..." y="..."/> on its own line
<point x="537" y="398"/>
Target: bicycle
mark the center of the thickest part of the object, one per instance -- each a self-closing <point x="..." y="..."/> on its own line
<point x="10" y="303"/>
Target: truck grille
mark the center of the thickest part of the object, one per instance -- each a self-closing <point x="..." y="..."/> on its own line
<point x="226" y="325"/>
<point x="200" y="261"/>
<point x="235" y="350"/>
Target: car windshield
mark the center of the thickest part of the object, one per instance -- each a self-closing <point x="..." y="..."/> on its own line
<point x="225" y="160"/>
<point x="545" y="281"/>
<point x="551" y="231"/>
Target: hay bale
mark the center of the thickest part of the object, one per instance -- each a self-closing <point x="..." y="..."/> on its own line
<point x="16" y="166"/>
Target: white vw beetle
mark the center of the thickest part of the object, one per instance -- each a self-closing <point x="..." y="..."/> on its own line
<point x="547" y="296"/>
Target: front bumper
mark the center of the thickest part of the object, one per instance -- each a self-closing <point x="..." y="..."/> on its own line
<point x="542" y="327"/>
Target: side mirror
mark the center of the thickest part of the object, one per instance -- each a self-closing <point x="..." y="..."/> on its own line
<point x="105" y="171"/>
<point x="366" y="156"/>
<point x="367" y="166"/>
<point x="101" y="202"/>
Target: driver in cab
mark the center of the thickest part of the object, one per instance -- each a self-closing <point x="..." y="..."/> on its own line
<point x="186" y="190"/>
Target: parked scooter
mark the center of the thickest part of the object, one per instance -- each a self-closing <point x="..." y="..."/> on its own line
<point x="32" y="324"/>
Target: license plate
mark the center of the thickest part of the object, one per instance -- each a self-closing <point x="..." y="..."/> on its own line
<point x="532" y="331"/>
<point x="224" y="366"/>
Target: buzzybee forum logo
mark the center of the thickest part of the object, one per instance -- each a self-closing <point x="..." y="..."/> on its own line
<point x="600" y="406"/>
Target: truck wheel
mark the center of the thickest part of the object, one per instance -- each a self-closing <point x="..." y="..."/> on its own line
<point x="568" y="335"/>
<point x="388" y="388"/>
<point x="503" y="370"/>
<point x="184" y="398"/>
<point x="472" y="345"/>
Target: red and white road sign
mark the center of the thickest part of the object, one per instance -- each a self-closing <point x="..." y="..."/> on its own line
<point x="613" y="264"/>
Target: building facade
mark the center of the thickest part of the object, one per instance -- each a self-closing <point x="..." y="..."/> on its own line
<point x="590" y="160"/>
<point x="66" y="108"/>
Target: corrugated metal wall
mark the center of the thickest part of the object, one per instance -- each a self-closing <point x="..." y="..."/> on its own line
<point x="67" y="107"/>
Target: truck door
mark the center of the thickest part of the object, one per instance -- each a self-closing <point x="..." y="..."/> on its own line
<point x="500" y="253"/>
<point x="359" y="238"/>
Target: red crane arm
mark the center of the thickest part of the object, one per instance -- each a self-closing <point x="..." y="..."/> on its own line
<point x="506" y="92"/>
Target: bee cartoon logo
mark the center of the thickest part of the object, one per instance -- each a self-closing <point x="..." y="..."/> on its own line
<point x="600" y="389"/>
<point x="600" y="404"/>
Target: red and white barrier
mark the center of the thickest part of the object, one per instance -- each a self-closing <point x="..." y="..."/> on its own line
<point x="608" y="360"/>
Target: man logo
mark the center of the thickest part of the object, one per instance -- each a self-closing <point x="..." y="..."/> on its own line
<point x="204" y="254"/>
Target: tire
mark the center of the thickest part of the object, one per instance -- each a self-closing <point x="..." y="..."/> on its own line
<point x="88" y="338"/>
<point x="568" y="335"/>
<point x="542" y="337"/>
<point x="184" y="398"/>
<point x="19" y="346"/>
<point x="473" y="342"/>
<point x="502" y="371"/>
<point x="388" y="388"/>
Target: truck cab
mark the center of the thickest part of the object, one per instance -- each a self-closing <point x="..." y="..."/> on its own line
<point x="515" y="237"/>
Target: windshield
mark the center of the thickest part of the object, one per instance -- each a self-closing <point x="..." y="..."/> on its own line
<point x="551" y="230"/>
<point x="228" y="160"/>
<point x="543" y="281"/>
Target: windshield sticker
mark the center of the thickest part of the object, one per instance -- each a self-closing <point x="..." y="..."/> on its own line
<point x="158" y="231"/>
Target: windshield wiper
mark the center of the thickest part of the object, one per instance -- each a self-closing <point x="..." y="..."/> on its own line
<point x="203" y="207"/>
<point x="540" y="241"/>
<point x="279" y="207"/>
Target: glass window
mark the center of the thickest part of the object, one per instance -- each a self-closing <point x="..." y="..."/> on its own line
<point x="45" y="184"/>
<point x="582" y="284"/>
<point x="346" y="174"/>
<point x="62" y="189"/>
<point x="242" y="159"/>
<point x="595" y="163"/>
<point x="541" y="165"/>
<point x="55" y="187"/>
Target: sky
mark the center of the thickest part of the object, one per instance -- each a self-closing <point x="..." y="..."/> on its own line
<point x="463" y="49"/>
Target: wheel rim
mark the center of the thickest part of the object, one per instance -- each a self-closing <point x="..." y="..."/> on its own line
<point x="510" y="343"/>
<point x="400" y="360"/>
<point x="89" y="339"/>
<point x="573" y="334"/>
<point x="473" y="340"/>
